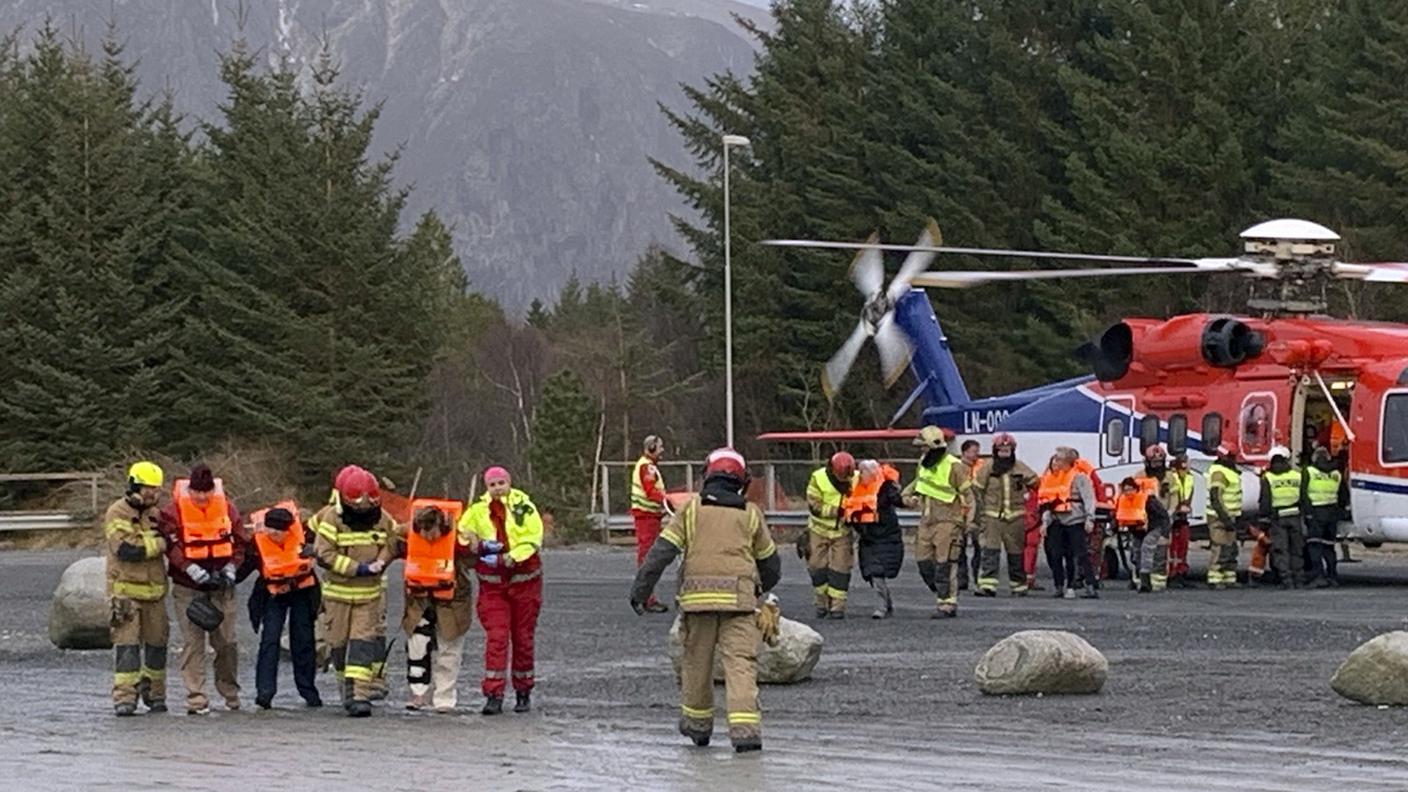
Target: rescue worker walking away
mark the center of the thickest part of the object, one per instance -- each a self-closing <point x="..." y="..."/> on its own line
<point x="1325" y="497"/>
<point x="1225" y="498"/>
<point x="1068" y="501"/>
<point x="1141" y="514"/>
<point x="354" y="543"/>
<point x="1000" y="496"/>
<point x="438" y="607"/>
<point x="938" y="492"/>
<point x="970" y="553"/>
<point x="136" y="584"/>
<point x="648" y="504"/>
<point x="206" y="545"/>
<point x="871" y="510"/>
<point x="287" y="591"/>
<point x="829" y="551"/>
<point x="510" y="586"/>
<point x="1282" y="494"/>
<point x="729" y="561"/>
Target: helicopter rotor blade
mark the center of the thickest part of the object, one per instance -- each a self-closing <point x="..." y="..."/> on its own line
<point x="894" y="348"/>
<point x="840" y="363"/>
<point x="1045" y="255"/>
<point x="868" y="269"/>
<point x="916" y="262"/>
<point x="961" y="279"/>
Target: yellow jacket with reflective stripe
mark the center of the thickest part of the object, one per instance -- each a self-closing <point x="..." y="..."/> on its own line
<point x="1228" y="481"/>
<point x="944" y="487"/>
<point x="721" y="547"/>
<point x="340" y="549"/>
<point x="143" y="580"/>
<point x="824" y="506"/>
<point x="1004" y="496"/>
<point x="639" y="501"/>
<point x="1322" y="487"/>
<point x="523" y="524"/>
<point x="1285" y="491"/>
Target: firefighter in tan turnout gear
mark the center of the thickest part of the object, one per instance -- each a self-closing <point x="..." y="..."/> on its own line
<point x="1000" y="491"/>
<point x="355" y="541"/>
<point x="939" y="491"/>
<point x="137" y="592"/>
<point x="729" y="561"/>
<point x="828" y="546"/>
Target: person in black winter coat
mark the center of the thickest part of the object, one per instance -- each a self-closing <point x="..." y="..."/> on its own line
<point x="881" y="542"/>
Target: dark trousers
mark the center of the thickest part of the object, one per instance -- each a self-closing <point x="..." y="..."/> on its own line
<point x="1067" y="554"/>
<point x="299" y="608"/>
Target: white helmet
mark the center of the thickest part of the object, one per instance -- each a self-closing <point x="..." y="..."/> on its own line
<point x="1280" y="451"/>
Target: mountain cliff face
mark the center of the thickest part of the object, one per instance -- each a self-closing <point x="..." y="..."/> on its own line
<point x="526" y="124"/>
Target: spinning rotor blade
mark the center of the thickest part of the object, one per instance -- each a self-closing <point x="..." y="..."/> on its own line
<point x="916" y="262"/>
<point x="840" y="363"/>
<point x="868" y="269"/>
<point x="960" y="279"/>
<point x="894" y="348"/>
<point x="1379" y="272"/>
<point x="1002" y="252"/>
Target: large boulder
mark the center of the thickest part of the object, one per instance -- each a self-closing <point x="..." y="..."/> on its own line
<point x="80" y="612"/>
<point x="1041" y="661"/>
<point x="797" y="651"/>
<point x="1376" y="672"/>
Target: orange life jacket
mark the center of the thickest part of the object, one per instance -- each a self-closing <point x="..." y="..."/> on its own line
<point x="430" y="565"/>
<point x="1130" y="509"/>
<point x="205" y="533"/>
<point x="865" y="494"/>
<point x="1103" y="500"/>
<point x="281" y="564"/>
<point x="1055" y="489"/>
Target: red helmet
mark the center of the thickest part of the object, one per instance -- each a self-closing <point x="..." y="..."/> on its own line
<point x="357" y="487"/>
<point x="1004" y="439"/>
<point x="842" y="465"/>
<point x="1155" y="451"/>
<point x="725" y="460"/>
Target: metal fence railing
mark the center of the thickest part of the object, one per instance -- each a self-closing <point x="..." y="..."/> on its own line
<point x="50" y="520"/>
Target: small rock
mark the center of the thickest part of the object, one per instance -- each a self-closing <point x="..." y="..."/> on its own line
<point x="1041" y="662"/>
<point x="80" y="611"/>
<point x="1376" y="672"/>
<point x="792" y="660"/>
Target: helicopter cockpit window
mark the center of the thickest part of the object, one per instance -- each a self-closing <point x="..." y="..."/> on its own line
<point x="1256" y="428"/>
<point x="1148" y="432"/>
<point x="1212" y="432"/>
<point x="1114" y="437"/>
<point x="1395" y="439"/>
<point x="1177" y="433"/>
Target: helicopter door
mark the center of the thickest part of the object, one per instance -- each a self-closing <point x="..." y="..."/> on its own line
<point x="1116" y="431"/>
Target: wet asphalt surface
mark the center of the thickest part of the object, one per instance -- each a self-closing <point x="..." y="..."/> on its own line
<point x="1207" y="690"/>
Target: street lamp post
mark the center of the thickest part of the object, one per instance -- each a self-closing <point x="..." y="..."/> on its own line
<point x="729" y="142"/>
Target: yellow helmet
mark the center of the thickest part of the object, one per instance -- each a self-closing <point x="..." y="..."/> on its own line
<point x="145" y="474"/>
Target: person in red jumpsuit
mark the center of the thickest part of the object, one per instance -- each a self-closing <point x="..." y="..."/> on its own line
<point x="509" y="534"/>
<point x="648" y="505"/>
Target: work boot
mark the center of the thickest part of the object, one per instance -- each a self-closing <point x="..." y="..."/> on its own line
<point x="837" y="615"/>
<point x="156" y="706"/>
<point x="1145" y="584"/>
<point x="264" y="702"/>
<point x="124" y="710"/>
<point x="821" y="613"/>
<point x="314" y="701"/>
<point x="360" y="709"/>
<point x="1090" y="592"/>
<point x="524" y="702"/>
<point x="985" y="592"/>
<point x="1058" y="593"/>
<point x="493" y="705"/>
<point x="699" y="738"/>
<point x="748" y="744"/>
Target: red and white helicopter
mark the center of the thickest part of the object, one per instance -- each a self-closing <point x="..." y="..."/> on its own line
<point x="1284" y="375"/>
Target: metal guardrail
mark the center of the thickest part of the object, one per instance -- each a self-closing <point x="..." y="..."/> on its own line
<point x="618" y="528"/>
<point x="49" y="520"/>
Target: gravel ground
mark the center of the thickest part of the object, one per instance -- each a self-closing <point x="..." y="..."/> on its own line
<point x="1207" y="690"/>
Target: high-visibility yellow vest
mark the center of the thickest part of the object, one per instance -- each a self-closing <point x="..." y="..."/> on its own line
<point x="1228" y="482"/>
<point x="936" y="481"/>
<point x="825" y="520"/>
<point x="1323" y="488"/>
<point x="1285" y="491"/>
<point x="639" y="501"/>
<point x="1183" y="482"/>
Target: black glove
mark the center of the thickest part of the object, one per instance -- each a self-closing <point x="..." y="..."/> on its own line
<point x="307" y="552"/>
<point x="637" y="605"/>
<point x="127" y="552"/>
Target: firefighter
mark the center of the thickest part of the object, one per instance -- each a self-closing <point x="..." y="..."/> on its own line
<point x="1225" y="498"/>
<point x="510" y="586"/>
<point x="648" y="504"/>
<point x="829" y="550"/>
<point x="1282" y="496"/>
<point x="870" y="510"/>
<point x="354" y="543"/>
<point x="136" y="587"/>
<point x="1324" y="497"/>
<point x="1180" y="482"/>
<point x="438" y="607"/>
<point x="1000" y="495"/>
<point x="970" y="553"/>
<point x="1157" y="483"/>
<point x="729" y="561"/>
<point x="287" y="591"/>
<point x="1067" y="498"/>
<point x="206" y="544"/>
<point x="938" y="491"/>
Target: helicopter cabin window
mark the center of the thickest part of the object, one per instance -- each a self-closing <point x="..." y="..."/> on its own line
<point x="1258" y="411"/>
<point x="1148" y="432"/>
<point x="1212" y="432"/>
<point x="1177" y="433"/>
<point x="1114" y="437"/>
<point x="1395" y="439"/>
